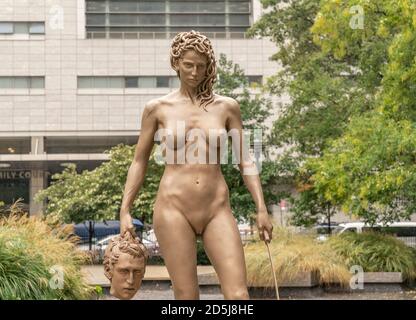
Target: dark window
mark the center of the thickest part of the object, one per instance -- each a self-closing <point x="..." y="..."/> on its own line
<point x="255" y="79"/>
<point x="96" y="20"/>
<point x="13" y="189"/>
<point x="162" y="82"/>
<point x="152" y="6"/>
<point x="14" y="146"/>
<point x="238" y="6"/>
<point x="212" y="20"/>
<point x="162" y="18"/>
<point x="85" y="144"/>
<point x="239" y="20"/>
<point x="132" y="82"/>
<point x="95" y="6"/>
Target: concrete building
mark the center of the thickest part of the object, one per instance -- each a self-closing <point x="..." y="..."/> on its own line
<point x="75" y="75"/>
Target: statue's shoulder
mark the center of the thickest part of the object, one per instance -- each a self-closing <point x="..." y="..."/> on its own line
<point x="157" y="104"/>
<point x="229" y="104"/>
<point x="151" y="107"/>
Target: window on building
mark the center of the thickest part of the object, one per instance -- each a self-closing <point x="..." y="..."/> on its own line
<point x="174" y="82"/>
<point x="152" y="6"/>
<point x="239" y="6"/>
<point x="211" y="20"/>
<point x="55" y="145"/>
<point x="22" y="82"/>
<point x="208" y="7"/>
<point x="6" y="27"/>
<point x="96" y="20"/>
<point x="6" y="82"/>
<point x="183" y="20"/>
<point x="116" y="82"/>
<point x="85" y="82"/>
<point x="96" y="6"/>
<point x="162" y="82"/>
<point x="14" y="185"/>
<point x="124" y="6"/>
<point x="131" y="82"/>
<point x="99" y="82"/>
<point x="255" y="80"/>
<point x="37" y="28"/>
<point x="151" y="19"/>
<point x="15" y="145"/>
<point x="22" y="27"/>
<point x="156" y="19"/>
<point x="37" y="82"/>
<point x="147" y="82"/>
<point x="183" y="6"/>
<point x="239" y="20"/>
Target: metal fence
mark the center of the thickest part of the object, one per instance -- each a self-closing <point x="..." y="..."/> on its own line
<point x="409" y="241"/>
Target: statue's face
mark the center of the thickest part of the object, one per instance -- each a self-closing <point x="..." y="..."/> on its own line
<point x="192" y="68"/>
<point x="127" y="276"/>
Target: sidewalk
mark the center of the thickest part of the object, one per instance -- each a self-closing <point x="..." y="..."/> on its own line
<point x="94" y="275"/>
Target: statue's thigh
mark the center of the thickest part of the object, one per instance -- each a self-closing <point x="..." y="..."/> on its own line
<point x="177" y="243"/>
<point x="224" y="248"/>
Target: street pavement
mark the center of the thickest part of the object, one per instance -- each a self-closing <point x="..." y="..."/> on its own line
<point x="156" y="285"/>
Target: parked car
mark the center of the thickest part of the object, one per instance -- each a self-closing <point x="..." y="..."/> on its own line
<point x="405" y="231"/>
<point x="245" y="231"/>
<point x="101" y="229"/>
<point x="323" y="229"/>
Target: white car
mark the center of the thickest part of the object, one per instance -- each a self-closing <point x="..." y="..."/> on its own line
<point x="405" y="231"/>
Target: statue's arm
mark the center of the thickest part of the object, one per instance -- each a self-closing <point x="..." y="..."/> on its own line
<point x="248" y="170"/>
<point x="137" y="170"/>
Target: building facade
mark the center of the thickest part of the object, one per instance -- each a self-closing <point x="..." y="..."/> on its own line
<point x="76" y="74"/>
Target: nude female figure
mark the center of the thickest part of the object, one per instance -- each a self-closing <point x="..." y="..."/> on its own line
<point x="193" y="198"/>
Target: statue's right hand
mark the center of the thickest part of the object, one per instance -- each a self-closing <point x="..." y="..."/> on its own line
<point x="126" y="223"/>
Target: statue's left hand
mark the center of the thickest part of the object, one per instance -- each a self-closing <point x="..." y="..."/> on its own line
<point x="126" y="223"/>
<point x="264" y="226"/>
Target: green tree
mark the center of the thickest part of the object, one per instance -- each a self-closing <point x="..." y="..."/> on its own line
<point x="324" y="91"/>
<point x="336" y="73"/>
<point x="324" y="94"/>
<point x="370" y="170"/>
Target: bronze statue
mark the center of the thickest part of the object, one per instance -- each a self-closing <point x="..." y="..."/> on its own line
<point x="193" y="197"/>
<point x="125" y="264"/>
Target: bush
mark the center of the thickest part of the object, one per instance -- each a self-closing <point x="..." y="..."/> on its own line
<point x="293" y="254"/>
<point x="155" y="261"/>
<point x="33" y="254"/>
<point x="201" y="257"/>
<point x="375" y="252"/>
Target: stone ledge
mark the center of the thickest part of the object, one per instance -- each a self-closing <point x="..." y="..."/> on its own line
<point x="303" y="279"/>
<point x="309" y="279"/>
<point x="383" y="277"/>
<point x="208" y="279"/>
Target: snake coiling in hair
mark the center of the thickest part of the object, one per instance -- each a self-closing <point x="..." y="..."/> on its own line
<point x="125" y="243"/>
